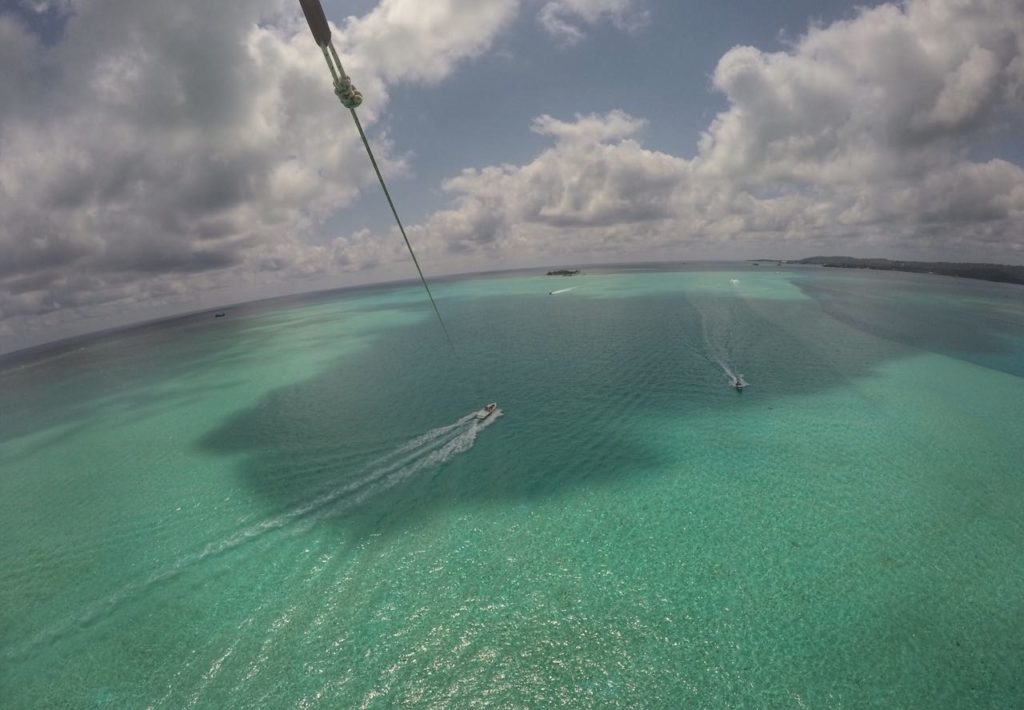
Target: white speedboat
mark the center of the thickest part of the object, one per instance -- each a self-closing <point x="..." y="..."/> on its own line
<point x="737" y="382"/>
<point x="487" y="411"/>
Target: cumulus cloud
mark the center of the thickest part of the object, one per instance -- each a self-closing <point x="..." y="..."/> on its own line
<point x="162" y="148"/>
<point x="422" y="41"/>
<point x="857" y="134"/>
<point x="164" y="151"/>
<point x="871" y="120"/>
<point x="890" y="92"/>
<point x="596" y="174"/>
<point x="569" y="20"/>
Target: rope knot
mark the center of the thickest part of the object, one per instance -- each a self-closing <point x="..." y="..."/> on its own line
<point x="348" y="94"/>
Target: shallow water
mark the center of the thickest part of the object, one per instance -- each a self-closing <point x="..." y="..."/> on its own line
<point x="293" y="505"/>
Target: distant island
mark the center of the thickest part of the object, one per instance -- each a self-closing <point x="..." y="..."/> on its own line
<point x="1003" y="273"/>
<point x="564" y="272"/>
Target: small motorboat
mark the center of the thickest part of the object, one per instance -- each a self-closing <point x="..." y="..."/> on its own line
<point x="737" y="383"/>
<point x="487" y="411"/>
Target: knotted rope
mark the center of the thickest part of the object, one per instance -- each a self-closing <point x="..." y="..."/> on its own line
<point x="346" y="93"/>
<point x="351" y="98"/>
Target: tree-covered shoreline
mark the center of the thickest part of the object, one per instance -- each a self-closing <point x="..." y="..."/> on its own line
<point x="1002" y="273"/>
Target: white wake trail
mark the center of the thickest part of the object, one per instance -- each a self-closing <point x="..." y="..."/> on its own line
<point x="716" y="340"/>
<point x="429" y="450"/>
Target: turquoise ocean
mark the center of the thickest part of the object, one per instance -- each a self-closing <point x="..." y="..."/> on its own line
<point x="293" y="505"/>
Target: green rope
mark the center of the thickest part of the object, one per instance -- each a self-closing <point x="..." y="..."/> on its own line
<point x="401" y="229"/>
<point x="350" y="98"/>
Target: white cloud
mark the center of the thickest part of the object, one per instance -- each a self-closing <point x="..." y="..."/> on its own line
<point x="568" y="20"/>
<point x="887" y="94"/>
<point x="596" y="174"/>
<point x="589" y="129"/>
<point x="160" y="149"/>
<point x="422" y="41"/>
<point x="858" y="134"/>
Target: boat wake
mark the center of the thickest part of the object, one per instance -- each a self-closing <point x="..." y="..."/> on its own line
<point x="430" y="450"/>
<point x="718" y="335"/>
<point x="561" y="290"/>
<point x="427" y="451"/>
<point x="726" y="369"/>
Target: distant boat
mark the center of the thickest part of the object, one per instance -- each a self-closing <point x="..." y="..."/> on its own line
<point x="487" y="411"/>
<point x="218" y="315"/>
<point x="737" y="382"/>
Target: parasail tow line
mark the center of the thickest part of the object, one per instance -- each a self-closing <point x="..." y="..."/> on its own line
<point x="351" y="98"/>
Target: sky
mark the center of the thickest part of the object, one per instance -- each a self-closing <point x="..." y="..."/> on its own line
<point x="163" y="157"/>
